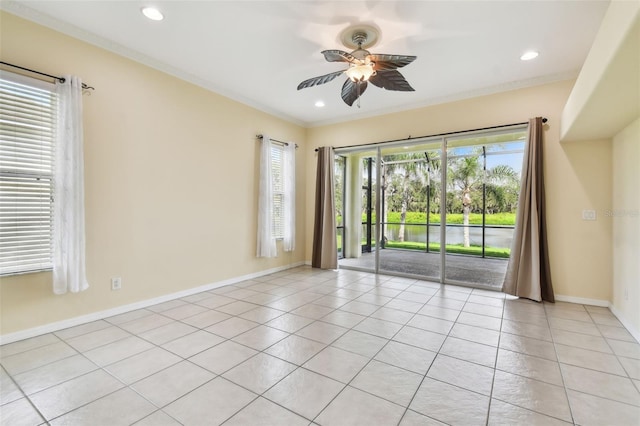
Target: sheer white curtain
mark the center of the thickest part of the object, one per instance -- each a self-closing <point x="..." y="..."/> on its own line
<point x="289" y="173"/>
<point x="69" y="271"/>
<point x="266" y="241"/>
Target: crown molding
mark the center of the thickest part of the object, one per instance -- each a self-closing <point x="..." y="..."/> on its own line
<point x="490" y="90"/>
<point x="21" y="10"/>
<point x="25" y="12"/>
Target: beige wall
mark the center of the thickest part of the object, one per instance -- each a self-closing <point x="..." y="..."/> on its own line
<point x="625" y="215"/>
<point x="577" y="176"/>
<point x="171" y="182"/>
<point x="605" y="98"/>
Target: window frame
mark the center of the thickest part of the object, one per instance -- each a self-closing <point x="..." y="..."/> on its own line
<point x="27" y="132"/>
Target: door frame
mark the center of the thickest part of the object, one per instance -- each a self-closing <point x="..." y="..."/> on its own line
<point x="444" y="140"/>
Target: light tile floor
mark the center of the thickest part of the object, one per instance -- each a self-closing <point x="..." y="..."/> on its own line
<point x="306" y="346"/>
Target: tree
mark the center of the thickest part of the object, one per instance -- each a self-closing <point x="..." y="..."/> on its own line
<point x="467" y="175"/>
<point x="412" y="184"/>
<point x="503" y="188"/>
<point x="410" y="169"/>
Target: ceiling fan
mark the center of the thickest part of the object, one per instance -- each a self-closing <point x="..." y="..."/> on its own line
<point x="378" y="69"/>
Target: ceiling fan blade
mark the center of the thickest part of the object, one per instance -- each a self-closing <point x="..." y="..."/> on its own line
<point x="319" y="80"/>
<point x="390" y="62"/>
<point x="390" y="80"/>
<point x="338" y="56"/>
<point x="352" y="91"/>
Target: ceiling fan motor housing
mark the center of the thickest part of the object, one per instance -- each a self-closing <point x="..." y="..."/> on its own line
<point x="358" y="36"/>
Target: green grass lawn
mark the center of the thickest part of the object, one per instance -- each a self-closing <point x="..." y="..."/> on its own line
<point x="452" y="249"/>
<point x="413" y="218"/>
<point x="420" y="218"/>
<point x="508" y="219"/>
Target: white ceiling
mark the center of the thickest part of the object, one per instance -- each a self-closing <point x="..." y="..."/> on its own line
<point x="257" y="52"/>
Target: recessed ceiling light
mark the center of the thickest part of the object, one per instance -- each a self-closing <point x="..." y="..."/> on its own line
<point x="527" y="56"/>
<point x="152" y="13"/>
<point x="319" y="104"/>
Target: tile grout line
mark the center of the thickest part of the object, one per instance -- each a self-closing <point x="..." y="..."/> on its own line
<point x="298" y="367"/>
<point x="564" y="386"/>
<point x="434" y="359"/>
<point x="309" y="288"/>
<point x="330" y="345"/>
<point x="495" y="365"/>
<point x="24" y="396"/>
<point x="125" y="385"/>
<point x="363" y="367"/>
<point x="231" y="368"/>
<point x="158" y="346"/>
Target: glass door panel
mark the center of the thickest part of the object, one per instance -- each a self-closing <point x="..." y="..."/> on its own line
<point x="483" y="183"/>
<point x="410" y="210"/>
<point x="358" y="226"/>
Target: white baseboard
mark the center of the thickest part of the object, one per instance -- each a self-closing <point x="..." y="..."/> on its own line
<point x="95" y="316"/>
<point x="627" y="324"/>
<point x="582" y="300"/>
<point x="605" y="304"/>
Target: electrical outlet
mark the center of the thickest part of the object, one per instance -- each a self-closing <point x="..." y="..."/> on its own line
<point x="588" y="215"/>
<point x="116" y="283"/>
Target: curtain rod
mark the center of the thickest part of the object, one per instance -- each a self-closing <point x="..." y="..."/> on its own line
<point x="60" y="79"/>
<point x="544" y="120"/>
<point x="276" y="140"/>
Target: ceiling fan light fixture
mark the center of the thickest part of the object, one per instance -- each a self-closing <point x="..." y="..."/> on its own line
<point x="152" y="13"/>
<point x="363" y="68"/>
<point x="360" y="72"/>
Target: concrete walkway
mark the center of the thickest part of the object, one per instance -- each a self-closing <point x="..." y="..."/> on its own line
<point x="470" y="270"/>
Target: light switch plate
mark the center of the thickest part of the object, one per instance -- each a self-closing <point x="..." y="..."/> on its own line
<point x="116" y="283"/>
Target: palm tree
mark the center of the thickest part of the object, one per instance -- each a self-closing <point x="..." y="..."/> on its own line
<point x="502" y="189"/>
<point x="465" y="174"/>
<point x="409" y="167"/>
<point x="468" y="176"/>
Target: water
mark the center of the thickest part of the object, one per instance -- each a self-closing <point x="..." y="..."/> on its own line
<point x="494" y="237"/>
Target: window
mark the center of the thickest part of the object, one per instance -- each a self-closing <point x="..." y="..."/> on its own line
<point x="27" y="127"/>
<point x="277" y="212"/>
<point x="276" y="197"/>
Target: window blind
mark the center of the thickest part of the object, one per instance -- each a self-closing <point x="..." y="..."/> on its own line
<point x="27" y="127"/>
<point x="277" y="214"/>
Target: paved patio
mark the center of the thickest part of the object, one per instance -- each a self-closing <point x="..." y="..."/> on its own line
<point x="471" y="270"/>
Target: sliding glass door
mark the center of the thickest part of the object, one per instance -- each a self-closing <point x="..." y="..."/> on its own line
<point x="446" y="206"/>
<point x="410" y="210"/>
<point x="483" y="183"/>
